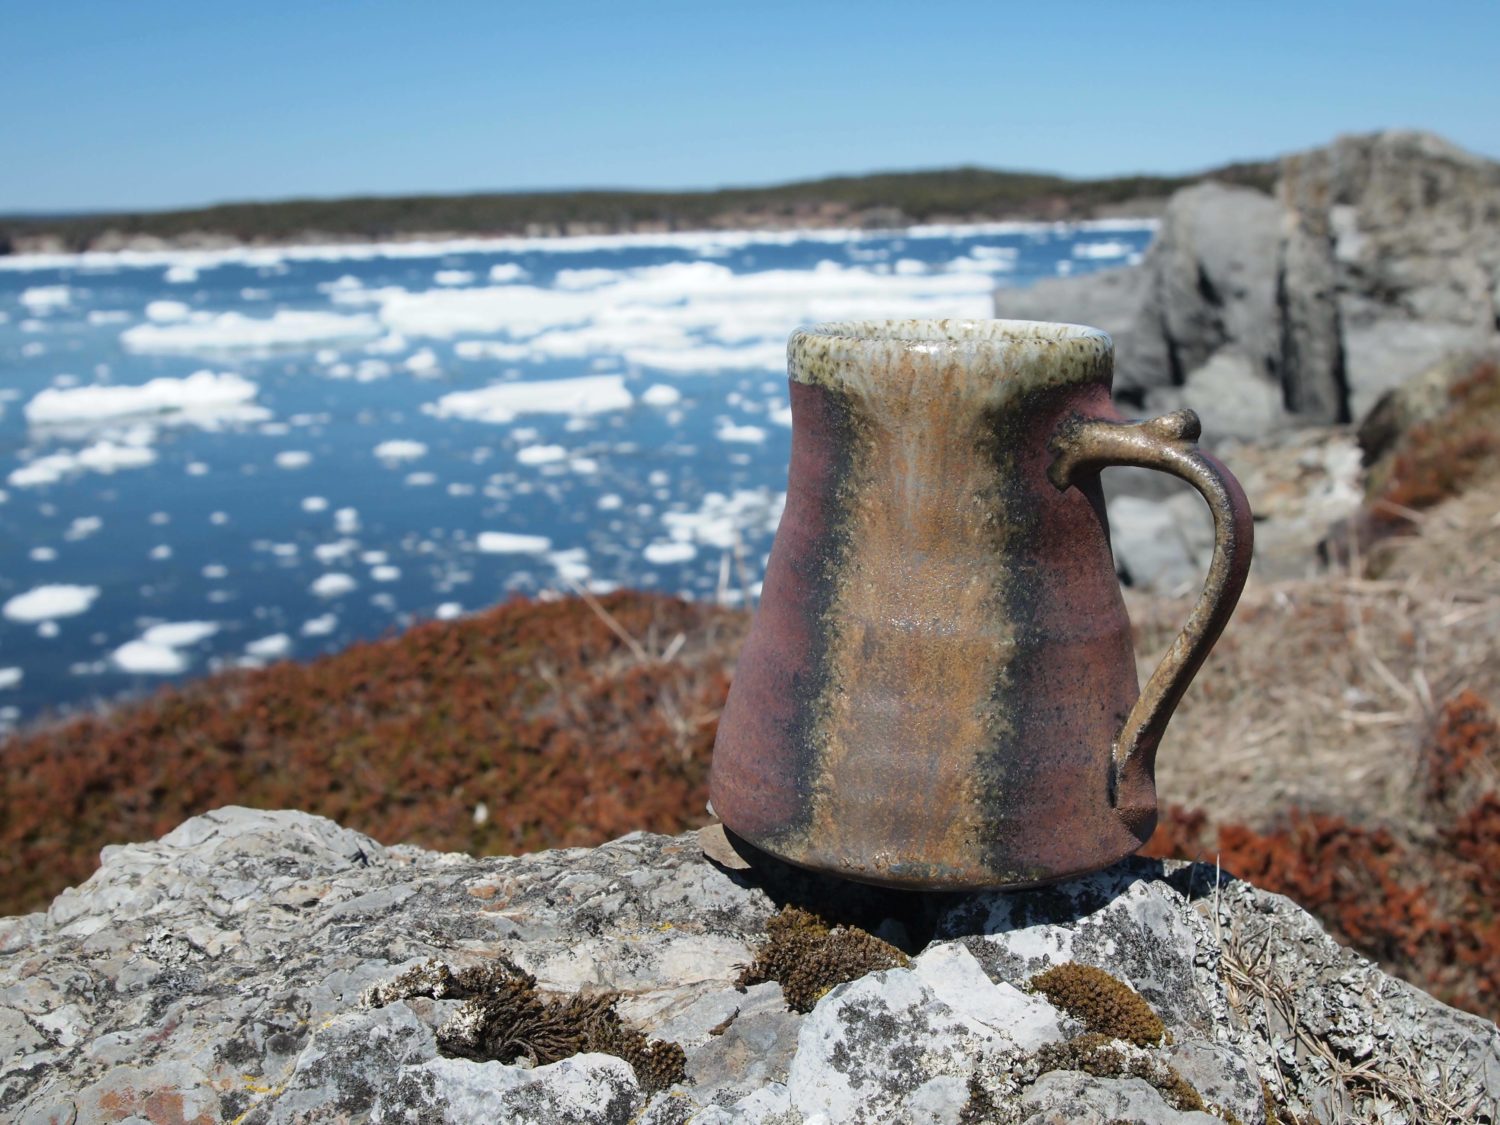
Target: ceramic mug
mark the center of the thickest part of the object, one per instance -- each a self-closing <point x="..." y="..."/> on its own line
<point x="939" y="688"/>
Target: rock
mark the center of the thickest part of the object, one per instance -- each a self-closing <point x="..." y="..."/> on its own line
<point x="1378" y="255"/>
<point x="1109" y="300"/>
<point x="1212" y="274"/>
<point x="1229" y="395"/>
<point x="225" y="973"/>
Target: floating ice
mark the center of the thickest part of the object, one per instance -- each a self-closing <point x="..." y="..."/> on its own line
<point x="502" y="402"/>
<point x="179" y="634"/>
<point x="659" y="394"/>
<point x="10" y="677"/>
<point x="202" y="397"/>
<point x="1111" y="248"/>
<point x="158" y="651"/>
<point x="385" y="573"/>
<point x="273" y="647"/>
<point x="293" y="459"/>
<point x="181" y="274"/>
<point x="749" y="435"/>
<point x="167" y="312"/>
<point x="144" y="659"/>
<point x="423" y="364"/>
<point x="320" y="626"/>
<point x="511" y="543"/>
<point x="314" y="504"/>
<point x="572" y="565"/>
<point x="448" y="611"/>
<point x="82" y="527"/>
<point x="46" y="298"/>
<point x="101" y="457"/>
<point x="397" y="450"/>
<point x="47" y="603"/>
<point x="674" y="552"/>
<point x="333" y="586"/>
<point x="540" y="454"/>
<point x="232" y="331"/>
<point x="726" y="521"/>
<point x="453" y="277"/>
<point x="705" y="358"/>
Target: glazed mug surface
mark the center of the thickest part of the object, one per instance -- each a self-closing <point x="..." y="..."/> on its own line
<point x="939" y="688"/>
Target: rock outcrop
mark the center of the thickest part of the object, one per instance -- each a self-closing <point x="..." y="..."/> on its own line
<point x="259" y="967"/>
<point x="1376" y="256"/>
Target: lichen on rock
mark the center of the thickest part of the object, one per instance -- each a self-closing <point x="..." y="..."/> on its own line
<point x="271" y="968"/>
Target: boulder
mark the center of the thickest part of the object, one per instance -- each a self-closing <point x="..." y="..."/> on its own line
<point x="257" y="967"/>
<point x="1377" y="256"/>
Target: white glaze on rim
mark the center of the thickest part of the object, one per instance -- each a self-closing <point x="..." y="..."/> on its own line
<point x="988" y="359"/>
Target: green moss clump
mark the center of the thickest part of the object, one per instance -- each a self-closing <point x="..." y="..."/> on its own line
<point x="1105" y="1004"/>
<point x="505" y="1018"/>
<point x="809" y="957"/>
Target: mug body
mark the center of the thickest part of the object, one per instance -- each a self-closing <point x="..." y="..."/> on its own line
<point x="931" y="689"/>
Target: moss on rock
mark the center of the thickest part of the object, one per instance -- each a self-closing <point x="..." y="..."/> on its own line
<point x="809" y="956"/>
<point x="1103" y="1003"/>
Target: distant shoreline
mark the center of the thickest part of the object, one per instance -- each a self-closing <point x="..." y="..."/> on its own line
<point x="954" y="197"/>
<point x="436" y="245"/>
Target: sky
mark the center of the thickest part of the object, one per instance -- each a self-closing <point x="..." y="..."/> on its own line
<point x="152" y="104"/>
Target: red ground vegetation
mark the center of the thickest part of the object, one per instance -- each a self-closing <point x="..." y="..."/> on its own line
<point x="1437" y="459"/>
<point x="1426" y="903"/>
<point x="539" y="710"/>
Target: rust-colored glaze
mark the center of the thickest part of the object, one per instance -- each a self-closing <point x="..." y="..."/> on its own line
<point x="939" y="690"/>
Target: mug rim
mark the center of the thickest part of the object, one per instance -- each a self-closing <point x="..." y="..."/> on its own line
<point x="956" y="331"/>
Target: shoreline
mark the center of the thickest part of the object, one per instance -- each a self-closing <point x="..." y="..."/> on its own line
<point x="438" y="244"/>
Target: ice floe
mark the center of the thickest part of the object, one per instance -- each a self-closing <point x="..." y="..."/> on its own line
<point x="320" y="626"/>
<point x="46" y="298"/>
<point x="273" y="647"/>
<point x="232" y="331"/>
<point x="670" y="552"/>
<point x="540" y="454"/>
<point x="10" y="677"/>
<point x="159" y="650"/>
<point x="397" y="450"/>
<point x="101" y="457"/>
<point x="293" y="459"/>
<point x="503" y="402"/>
<point x="333" y="585"/>
<point x="50" y="602"/>
<point x="729" y="431"/>
<point x="511" y="543"/>
<point x="204" y="398"/>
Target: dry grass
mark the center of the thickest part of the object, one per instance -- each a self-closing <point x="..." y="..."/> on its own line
<point x="1322" y="693"/>
<point x="1361" y="1092"/>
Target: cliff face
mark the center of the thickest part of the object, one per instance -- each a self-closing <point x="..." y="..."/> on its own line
<point x="1372" y="259"/>
<point x="268" y="967"/>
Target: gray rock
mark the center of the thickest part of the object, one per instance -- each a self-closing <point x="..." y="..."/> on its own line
<point x="218" y="975"/>
<point x="1378" y="255"/>
<point x="1109" y="299"/>
<point x="1066" y="1097"/>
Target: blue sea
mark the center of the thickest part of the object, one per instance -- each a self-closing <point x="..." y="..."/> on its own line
<point x="221" y="458"/>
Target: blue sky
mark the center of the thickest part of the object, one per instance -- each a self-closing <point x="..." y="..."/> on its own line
<point x="146" y="104"/>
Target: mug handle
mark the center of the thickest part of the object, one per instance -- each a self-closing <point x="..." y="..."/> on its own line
<point x="1168" y="443"/>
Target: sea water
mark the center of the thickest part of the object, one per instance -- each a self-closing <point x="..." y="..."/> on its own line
<point x="219" y="458"/>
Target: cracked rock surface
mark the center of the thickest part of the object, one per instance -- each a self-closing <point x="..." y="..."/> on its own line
<point x="217" y="974"/>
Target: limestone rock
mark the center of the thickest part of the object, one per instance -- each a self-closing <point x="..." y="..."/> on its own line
<point x="224" y="973"/>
